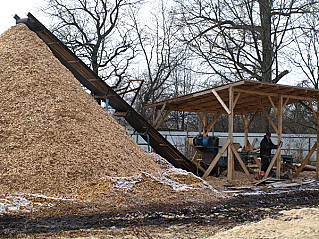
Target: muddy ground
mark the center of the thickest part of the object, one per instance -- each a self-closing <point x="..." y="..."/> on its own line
<point x="170" y="222"/>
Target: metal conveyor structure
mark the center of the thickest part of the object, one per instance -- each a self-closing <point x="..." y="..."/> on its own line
<point x="101" y="90"/>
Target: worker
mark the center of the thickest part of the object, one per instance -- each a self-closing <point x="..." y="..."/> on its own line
<point x="266" y="145"/>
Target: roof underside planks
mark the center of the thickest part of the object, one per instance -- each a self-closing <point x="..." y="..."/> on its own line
<point x="252" y="95"/>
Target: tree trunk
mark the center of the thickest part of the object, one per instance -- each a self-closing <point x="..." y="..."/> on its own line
<point x="267" y="51"/>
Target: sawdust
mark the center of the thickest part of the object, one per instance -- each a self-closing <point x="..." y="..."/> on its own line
<point x="170" y="186"/>
<point x="220" y="183"/>
<point x="54" y="136"/>
<point x="307" y="175"/>
<point x="57" y="141"/>
<point x="296" y="223"/>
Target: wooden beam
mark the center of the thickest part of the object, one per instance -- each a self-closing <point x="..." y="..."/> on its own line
<point x="154" y="116"/>
<point x="313" y="110"/>
<point x="270" y="120"/>
<point x="221" y="101"/>
<point x="254" y="116"/>
<point x="227" y="86"/>
<point x="306" y="160"/>
<point x="306" y="106"/>
<point x="317" y="153"/>
<point x="254" y="156"/>
<point x="236" y="99"/>
<point x="280" y="112"/>
<point x="253" y="143"/>
<point x="230" y="160"/>
<point x="204" y="123"/>
<point x="213" y="122"/>
<point x="285" y="103"/>
<point x="243" y="166"/>
<point x="275" y="94"/>
<point x="200" y="118"/>
<point x="273" y="161"/>
<point x="246" y="126"/>
<point x="194" y="160"/>
<point x="159" y="114"/>
<point x="217" y="157"/>
<point x="273" y="105"/>
<point x="162" y="120"/>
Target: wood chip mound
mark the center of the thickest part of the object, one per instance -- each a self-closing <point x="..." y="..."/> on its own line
<point x="171" y="186"/>
<point x="54" y="137"/>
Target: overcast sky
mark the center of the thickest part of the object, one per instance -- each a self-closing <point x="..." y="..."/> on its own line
<point x="21" y="7"/>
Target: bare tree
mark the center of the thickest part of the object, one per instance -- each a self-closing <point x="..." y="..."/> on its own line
<point x="161" y="55"/>
<point x="306" y="48"/>
<point x="95" y="30"/>
<point x="240" y="39"/>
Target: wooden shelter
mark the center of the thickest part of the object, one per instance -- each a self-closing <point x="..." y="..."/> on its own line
<point x="247" y="99"/>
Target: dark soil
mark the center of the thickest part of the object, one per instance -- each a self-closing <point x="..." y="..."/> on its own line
<point x="145" y="222"/>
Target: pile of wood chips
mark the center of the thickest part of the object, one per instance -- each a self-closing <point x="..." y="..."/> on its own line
<point x="54" y="137"/>
<point x="171" y="186"/>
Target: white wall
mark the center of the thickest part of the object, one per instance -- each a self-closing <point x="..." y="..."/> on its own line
<point x="296" y="145"/>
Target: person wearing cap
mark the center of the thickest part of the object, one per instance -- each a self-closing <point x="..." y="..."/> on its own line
<point x="266" y="145"/>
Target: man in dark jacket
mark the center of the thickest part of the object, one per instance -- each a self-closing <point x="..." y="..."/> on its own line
<point x="266" y="146"/>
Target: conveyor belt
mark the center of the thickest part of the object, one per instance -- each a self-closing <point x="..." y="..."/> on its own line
<point x="100" y="89"/>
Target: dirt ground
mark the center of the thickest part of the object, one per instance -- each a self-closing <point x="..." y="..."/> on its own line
<point x="243" y="206"/>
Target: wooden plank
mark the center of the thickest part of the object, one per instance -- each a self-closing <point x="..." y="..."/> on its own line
<point x="254" y="116"/>
<point x="243" y="166"/>
<point x="200" y="118"/>
<point x="159" y="114"/>
<point x="317" y="154"/>
<point x="196" y="163"/>
<point x="284" y="185"/>
<point x="306" y="106"/>
<point x="236" y="99"/>
<point x="246" y="126"/>
<point x="313" y="109"/>
<point x="221" y="101"/>
<point x="273" y="105"/>
<point x="270" y="120"/>
<point x="254" y="142"/>
<point x="280" y="109"/>
<point x="275" y="94"/>
<point x="162" y="120"/>
<point x="230" y="160"/>
<point x="205" y="123"/>
<point x="273" y="161"/>
<point x="268" y="180"/>
<point x="255" y="157"/>
<point x="285" y="103"/>
<point x="214" y="162"/>
<point x="213" y="122"/>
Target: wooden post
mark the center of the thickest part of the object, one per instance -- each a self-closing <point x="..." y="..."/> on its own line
<point x="204" y="126"/>
<point x="230" y="160"/>
<point x="246" y="126"/>
<point x="162" y="120"/>
<point x="214" y="162"/>
<point x="242" y="164"/>
<point x="306" y="160"/>
<point x="157" y="118"/>
<point x="194" y="160"/>
<point x="273" y="161"/>
<point x="280" y="109"/>
<point x="317" y="154"/>
<point x="212" y="123"/>
<point x="154" y="114"/>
